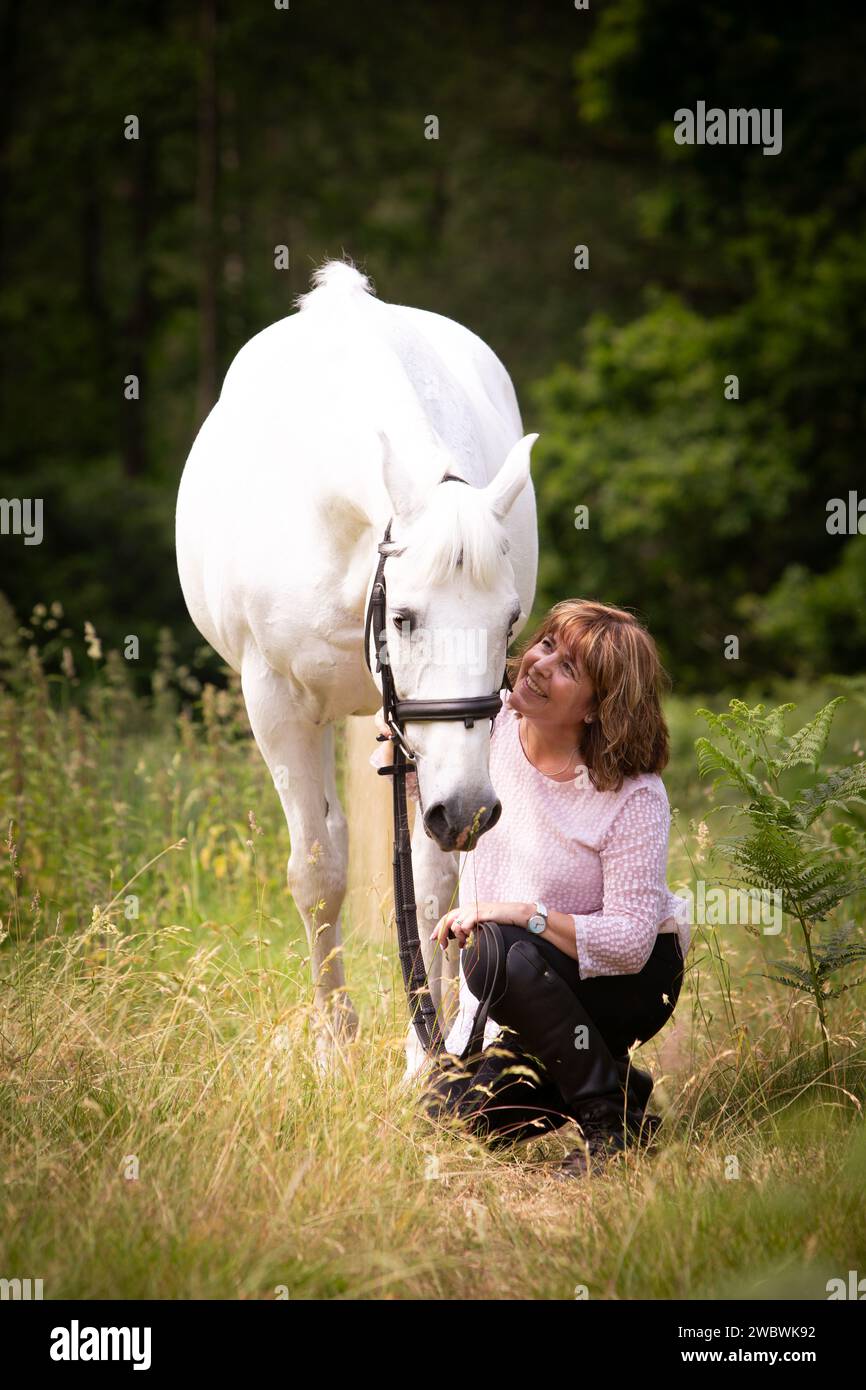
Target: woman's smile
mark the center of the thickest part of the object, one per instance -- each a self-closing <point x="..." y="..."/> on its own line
<point x="533" y="688"/>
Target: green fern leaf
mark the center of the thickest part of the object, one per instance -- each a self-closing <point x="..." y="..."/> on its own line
<point x="834" y="993"/>
<point x="712" y="759"/>
<point x="792" y="984"/>
<point x="776" y="718"/>
<point x="848" y="782"/>
<point x="808" y="743"/>
<point x="722" y="725"/>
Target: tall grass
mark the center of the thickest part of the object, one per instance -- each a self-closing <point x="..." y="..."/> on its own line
<point x="166" y="1133"/>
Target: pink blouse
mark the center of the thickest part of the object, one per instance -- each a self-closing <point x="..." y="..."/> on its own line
<point x="599" y="856"/>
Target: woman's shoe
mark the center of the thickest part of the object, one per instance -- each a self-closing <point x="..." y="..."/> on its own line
<point x="606" y="1135"/>
<point x="591" y="1159"/>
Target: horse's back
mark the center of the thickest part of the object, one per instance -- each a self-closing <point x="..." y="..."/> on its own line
<point x="350" y="358"/>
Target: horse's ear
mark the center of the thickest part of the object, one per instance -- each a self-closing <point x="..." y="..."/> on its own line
<point x="512" y="477"/>
<point x="401" y="486"/>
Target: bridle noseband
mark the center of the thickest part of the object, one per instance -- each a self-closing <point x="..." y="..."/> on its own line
<point x="396" y="712"/>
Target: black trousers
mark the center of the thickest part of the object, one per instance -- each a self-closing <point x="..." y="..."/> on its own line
<point x="626" y="1009"/>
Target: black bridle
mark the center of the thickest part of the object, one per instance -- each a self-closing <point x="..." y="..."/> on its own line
<point x="396" y="712"/>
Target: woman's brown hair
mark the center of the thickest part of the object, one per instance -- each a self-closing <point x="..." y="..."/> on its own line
<point x="628" y="734"/>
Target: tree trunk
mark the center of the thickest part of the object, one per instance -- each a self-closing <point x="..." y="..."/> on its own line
<point x="207" y="213"/>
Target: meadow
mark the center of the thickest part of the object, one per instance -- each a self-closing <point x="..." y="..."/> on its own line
<point x="166" y="1133"/>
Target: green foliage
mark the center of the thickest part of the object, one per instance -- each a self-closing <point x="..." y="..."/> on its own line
<point x="99" y="782"/>
<point x="779" y="850"/>
<point x="709" y="514"/>
<point x="829" y="956"/>
<point x="556" y="128"/>
<point x="701" y="509"/>
<point x="180" y="1038"/>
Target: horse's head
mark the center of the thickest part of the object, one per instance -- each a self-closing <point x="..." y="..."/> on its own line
<point x="452" y="607"/>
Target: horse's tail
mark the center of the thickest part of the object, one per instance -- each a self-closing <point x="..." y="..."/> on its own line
<point x="332" y="278"/>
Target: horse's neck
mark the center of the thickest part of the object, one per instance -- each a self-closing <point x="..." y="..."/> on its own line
<point x="437" y="399"/>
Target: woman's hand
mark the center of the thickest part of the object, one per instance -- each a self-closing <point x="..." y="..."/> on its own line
<point x="387" y="755"/>
<point x="461" y="921"/>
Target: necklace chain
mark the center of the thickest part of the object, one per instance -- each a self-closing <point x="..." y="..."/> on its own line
<point x="546" y="774"/>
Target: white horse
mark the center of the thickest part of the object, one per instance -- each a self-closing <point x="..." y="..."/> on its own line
<point x="330" y="422"/>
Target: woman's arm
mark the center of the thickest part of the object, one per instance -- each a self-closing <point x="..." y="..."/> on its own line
<point x="618" y="940"/>
<point x="559" y="931"/>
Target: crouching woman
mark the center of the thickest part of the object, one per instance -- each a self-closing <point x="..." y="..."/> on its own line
<point x="572" y="943"/>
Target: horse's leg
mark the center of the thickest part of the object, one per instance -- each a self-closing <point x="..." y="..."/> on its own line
<point x="435" y="874"/>
<point x="300" y="757"/>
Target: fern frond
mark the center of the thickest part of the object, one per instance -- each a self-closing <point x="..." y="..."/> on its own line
<point x="834" y="960"/>
<point x="793" y="984"/>
<point x="712" y="759"/>
<point x="848" y="782"/>
<point x="776" y="718"/>
<point x="839" y="935"/>
<point x="743" y="715"/>
<point x="834" y="993"/>
<point x="808" y="743"/>
<point x="798" y="972"/>
<point x="722" y="725"/>
<point x="819" y="905"/>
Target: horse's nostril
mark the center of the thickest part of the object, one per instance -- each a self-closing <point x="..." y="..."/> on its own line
<point x="436" y="821"/>
<point x="443" y="828"/>
<point x="493" y="815"/>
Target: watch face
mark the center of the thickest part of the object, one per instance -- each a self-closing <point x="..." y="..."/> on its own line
<point x="537" y="924"/>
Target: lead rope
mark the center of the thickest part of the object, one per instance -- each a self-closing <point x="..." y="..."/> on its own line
<point x="415" y="978"/>
<point x="421" y="1010"/>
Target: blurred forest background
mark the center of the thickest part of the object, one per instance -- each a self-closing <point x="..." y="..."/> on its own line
<point x="305" y="127"/>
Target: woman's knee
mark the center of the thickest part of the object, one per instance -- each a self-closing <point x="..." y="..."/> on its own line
<point x="484" y="959"/>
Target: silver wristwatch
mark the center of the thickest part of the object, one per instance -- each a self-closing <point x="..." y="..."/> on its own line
<point x="538" y="921"/>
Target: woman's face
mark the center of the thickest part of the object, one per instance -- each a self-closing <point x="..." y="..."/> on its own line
<point x="563" y="693"/>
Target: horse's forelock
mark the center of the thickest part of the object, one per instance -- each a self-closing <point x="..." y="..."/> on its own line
<point x="455" y="531"/>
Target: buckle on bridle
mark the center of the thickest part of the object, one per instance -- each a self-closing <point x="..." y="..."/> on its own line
<point x="396" y="711"/>
<point x="399" y="738"/>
